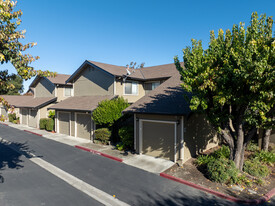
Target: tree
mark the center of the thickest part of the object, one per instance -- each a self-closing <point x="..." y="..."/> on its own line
<point x="108" y="113"/>
<point x="133" y="65"/>
<point x="14" y="80"/>
<point x="11" y="48"/>
<point x="232" y="81"/>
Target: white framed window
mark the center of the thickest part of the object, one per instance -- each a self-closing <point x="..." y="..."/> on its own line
<point x="68" y="91"/>
<point x="130" y="88"/>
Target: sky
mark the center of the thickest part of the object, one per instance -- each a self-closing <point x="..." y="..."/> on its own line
<point x="121" y="31"/>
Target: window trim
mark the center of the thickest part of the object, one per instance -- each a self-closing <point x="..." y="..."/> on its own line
<point x="124" y="84"/>
<point x="64" y="93"/>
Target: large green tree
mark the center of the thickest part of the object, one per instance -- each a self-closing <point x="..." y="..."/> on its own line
<point x="14" y="80"/>
<point x="233" y="81"/>
<point x="11" y="47"/>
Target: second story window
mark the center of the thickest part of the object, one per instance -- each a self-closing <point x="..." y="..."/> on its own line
<point x="68" y="91"/>
<point x="150" y="86"/>
<point x="131" y="87"/>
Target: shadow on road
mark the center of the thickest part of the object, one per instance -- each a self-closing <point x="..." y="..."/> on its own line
<point x="10" y="155"/>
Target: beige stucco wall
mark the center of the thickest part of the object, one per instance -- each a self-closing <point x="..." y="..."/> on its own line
<point x="44" y="112"/>
<point x="93" y="81"/>
<point x="44" y="88"/>
<point x="119" y="90"/>
<point x="198" y="135"/>
<point x="60" y="93"/>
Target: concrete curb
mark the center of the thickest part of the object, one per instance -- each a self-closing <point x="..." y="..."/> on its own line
<point x="260" y="200"/>
<point x="4" y="124"/>
<point x="99" y="153"/>
<point x="33" y="133"/>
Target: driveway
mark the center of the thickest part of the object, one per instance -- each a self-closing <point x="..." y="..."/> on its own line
<point x="129" y="184"/>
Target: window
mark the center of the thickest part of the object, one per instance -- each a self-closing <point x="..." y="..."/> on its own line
<point x="68" y="91"/>
<point x="150" y="86"/>
<point x="131" y="88"/>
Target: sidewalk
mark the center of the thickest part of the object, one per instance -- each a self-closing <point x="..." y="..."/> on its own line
<point x="144" y="162"/>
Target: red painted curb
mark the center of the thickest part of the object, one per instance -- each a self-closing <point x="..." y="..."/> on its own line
<point x="99" y="153"/>
<point x="4" y="124"/>
<point x="34" y="133"/>
<point x="265" y="198"/>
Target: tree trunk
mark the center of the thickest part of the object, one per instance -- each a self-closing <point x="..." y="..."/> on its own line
<point x="266" y="139"/>
<point x="239" y="151"/>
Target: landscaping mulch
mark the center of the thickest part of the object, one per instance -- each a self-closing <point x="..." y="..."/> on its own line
<point x="191" y="173"/>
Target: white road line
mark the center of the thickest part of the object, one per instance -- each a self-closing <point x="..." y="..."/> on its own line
<point x="93" y="192"/>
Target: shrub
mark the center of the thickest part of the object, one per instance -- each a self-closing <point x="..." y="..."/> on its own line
<point x="12" y="117"/>
<point x="255" y="168"/>
<point x="3" y="118"/>
<point x="50" y="125"/>
<point x="47" y="124"/>
<point x="109" y="111"/>
<point x="222" y="170"/>
<point x="265" y="157"/>
<point x="103" y="135"/>
<point x="126" y="134"/>
<point x="42" y="123"/>
<point x="120" y="146"/>
<point x="252" y="147"/>
<point x="51" y="114"/>
<point x="203" y="160"/>
<point x="223" y="152"/>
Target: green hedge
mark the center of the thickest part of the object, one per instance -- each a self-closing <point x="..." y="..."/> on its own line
<point x="103" y="135"/>
<point x="12" y="117"/>
<point x="47" y="124"/>
<point x="126" y="134"/>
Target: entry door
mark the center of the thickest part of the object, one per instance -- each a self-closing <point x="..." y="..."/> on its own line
<point x="24" y="113"/>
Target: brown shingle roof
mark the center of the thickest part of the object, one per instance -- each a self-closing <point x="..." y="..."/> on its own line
<point x="82" y="103"/>
<point x="168" y="98"/>
<point x="146" y="73"/>
<point x="59" y="78"/>
<point x="15" y="100"/>
<point x="36" y="102"/>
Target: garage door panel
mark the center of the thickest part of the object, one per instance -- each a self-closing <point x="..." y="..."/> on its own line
<point x="84" y="125"/>
<point x="32" y="118"/>
<point x="158" y="140"/>
<point x="64" y="122"/>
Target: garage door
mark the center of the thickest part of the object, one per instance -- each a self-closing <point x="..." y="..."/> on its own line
<point x="24" y="113"/>
<point x="83" y="125"/>
<point x="64" y="122"/>
<point x="33" y="118"/>
<point x="3" y="111"/>
<point x="158" y="139"/>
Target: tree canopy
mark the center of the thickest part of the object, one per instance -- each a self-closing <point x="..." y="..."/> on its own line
<point x="233" y="81"/>
<point x="109" y="111"/>
<point x="14" y="80"/>
<point x="11" y="47"/>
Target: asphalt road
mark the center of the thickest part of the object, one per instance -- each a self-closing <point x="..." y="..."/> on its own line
<point x="25" y="183"/>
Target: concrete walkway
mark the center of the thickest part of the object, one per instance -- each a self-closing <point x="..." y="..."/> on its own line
<point x="148" y="163"/>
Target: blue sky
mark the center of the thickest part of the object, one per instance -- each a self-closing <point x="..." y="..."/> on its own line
<point x="120" y="31"/>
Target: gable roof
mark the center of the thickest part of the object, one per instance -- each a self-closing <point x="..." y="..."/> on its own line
<point x="167" y="99"/>
<point x="81" y="103"/>
<point x="58" y="79"/>
<point x="145" y="73"/>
